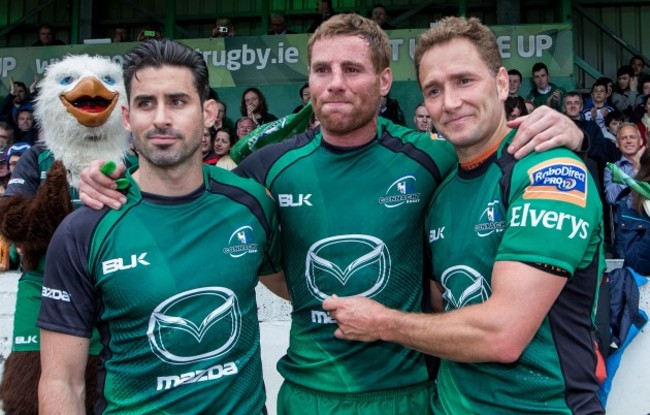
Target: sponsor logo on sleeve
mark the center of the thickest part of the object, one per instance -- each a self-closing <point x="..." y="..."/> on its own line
<point x="401" y="191"/>
<point x="561" y="179"/>
<point x="53" y="293"/>
<point x="526" y="216"/>
<point x="16" y="181"/>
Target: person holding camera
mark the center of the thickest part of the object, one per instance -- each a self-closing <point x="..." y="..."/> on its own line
<point x="223" y="28"/>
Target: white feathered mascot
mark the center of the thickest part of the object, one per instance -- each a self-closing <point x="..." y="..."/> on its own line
<point x="79" y="112"/>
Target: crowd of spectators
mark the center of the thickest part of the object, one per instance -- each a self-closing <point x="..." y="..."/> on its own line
<point x="600" y="113"/>
<point x="616" y="118"/>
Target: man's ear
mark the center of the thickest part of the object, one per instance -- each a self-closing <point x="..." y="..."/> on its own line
<point x="126" y="118"/>
<point x="385" y="81"/>
<point x="209" y="113"/>
<point x="503" y="83"/>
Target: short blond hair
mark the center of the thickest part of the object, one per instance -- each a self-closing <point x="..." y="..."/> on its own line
<point x="629" y="125"/>
<point x="352" y="24"/>
<point x="450" y="28"/>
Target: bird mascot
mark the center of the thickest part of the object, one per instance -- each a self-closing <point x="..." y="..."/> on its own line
<point x="79" y="113"/>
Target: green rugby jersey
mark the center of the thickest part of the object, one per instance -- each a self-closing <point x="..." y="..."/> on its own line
<point x="352" y="224"/>
<point x="170" y="284"/>
<point x="543" y="209"/>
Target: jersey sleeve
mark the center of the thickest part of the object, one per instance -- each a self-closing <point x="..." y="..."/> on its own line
<point x="554" y="213"/>
<point x="68" y="305"/>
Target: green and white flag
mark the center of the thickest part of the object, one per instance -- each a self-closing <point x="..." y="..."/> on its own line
<point x="270" y="133"/>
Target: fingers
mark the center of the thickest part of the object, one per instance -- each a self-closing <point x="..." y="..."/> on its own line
<point x="97" y="190"/>
<point x="542" y="130"/>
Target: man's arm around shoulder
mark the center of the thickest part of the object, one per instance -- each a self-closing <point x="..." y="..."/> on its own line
<point x="61" y="389"/>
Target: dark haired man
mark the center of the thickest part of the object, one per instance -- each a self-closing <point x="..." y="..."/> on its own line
<point x="545" y="93"/>
<point x="514" y="82"/>
<point x="190" y="343"/>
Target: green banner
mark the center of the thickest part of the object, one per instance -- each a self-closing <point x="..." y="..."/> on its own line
<point x="277" y="60"/>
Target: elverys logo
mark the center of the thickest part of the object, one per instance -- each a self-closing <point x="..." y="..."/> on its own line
<point x="241" y="242"/>
<point x="401" y="191"/>
<point x="347" y="265"/>
<point x="195" y="325"/>
<point x="463" y="286"/>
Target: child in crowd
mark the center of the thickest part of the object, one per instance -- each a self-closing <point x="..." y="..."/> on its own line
<point x="599" y="107"/>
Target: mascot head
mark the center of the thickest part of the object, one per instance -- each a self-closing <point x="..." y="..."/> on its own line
<point x="79" y="112"/>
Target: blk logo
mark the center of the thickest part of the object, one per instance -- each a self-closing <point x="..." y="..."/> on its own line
<point x="287" y="200"/>
<point x="119" y="264"/>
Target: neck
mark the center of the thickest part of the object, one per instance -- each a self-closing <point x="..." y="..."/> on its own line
<point x="355" y="138"/>
<point x="170" y="181"/>
<point x="476" y="151"/>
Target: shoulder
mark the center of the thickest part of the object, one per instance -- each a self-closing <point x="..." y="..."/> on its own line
<point x="258" y="164"/>
<point x="555" y="175"/>
<point x="236" y="187"/>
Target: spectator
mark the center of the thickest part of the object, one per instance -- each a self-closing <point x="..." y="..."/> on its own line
<point x="46" y="36"/>
<point x="278" y="24"/>
<point x="149" y="32"/>
<point x="599" y="107"/>
<point x="613" y="122"/>
<point x="638" y="65"/>
<point x="244" y="126"/>
<point x="19" y="97"/>
<point x="25" y="130"/>
<point x="221" y="120"/>
<point x="389" y="108"/>
<point x="15" y="153"/>
<point x="422" y="119"/>
<point x="588" y="102"/>
<point x="640" y="106"/>
<point x="644" y="123"/>
<point x="6" y="137"/>
<point x="515" y="107"/>
<point x="545" y="93"/>
<point x="223" y="142"/>
<point x="120" y="34"/>
<point x="223" y="28"/>
<point x="325" y="11"/>
<point x="514" y="82"/>
<point x="636" y="250"/>
<point x="253" y="106"/>
<point x="305" y="96"/>
<point x="601" y="151"/>
<point x="379" y="15"/>
<point x="625" y="94"/>
<point x="631" y="147"/>
<point x="206" y="145"/>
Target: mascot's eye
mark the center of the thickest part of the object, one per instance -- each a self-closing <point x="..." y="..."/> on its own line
<point x="67" y="80"/>
<point x="108" y="80"/>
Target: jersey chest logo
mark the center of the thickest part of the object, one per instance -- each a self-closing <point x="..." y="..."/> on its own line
<point x="347" y="265"/>
<point x="241" y="242"/>
<point x="195" y="325"/>
<point x="464" y="286"/>
<point x="400" y="192"/>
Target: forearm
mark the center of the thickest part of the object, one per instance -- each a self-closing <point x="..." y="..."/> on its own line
<point x="464" y="335"/>
<point x="56" y="396"/>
